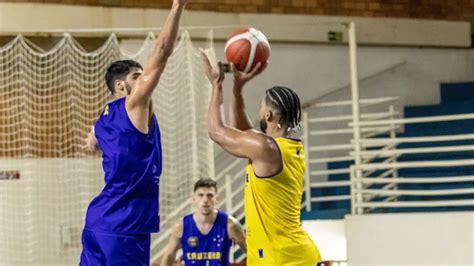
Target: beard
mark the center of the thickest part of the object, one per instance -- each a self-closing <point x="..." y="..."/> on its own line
<point x="263" y="125"/>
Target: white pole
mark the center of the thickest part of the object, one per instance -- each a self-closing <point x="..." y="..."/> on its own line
<point x="210" y="154"/>
<point x="228" y="194"/>
<point x="355" y="111"/>
<point x="393" y="135"/>
<point x="228" y="207"/>
<point x="210" y="160"/>
<point x="353" y="200"/>
<point x="194" y="103"/>
<point x="307" y="181"/>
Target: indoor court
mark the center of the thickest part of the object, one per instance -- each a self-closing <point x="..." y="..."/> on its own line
<point x="386" y="90"/>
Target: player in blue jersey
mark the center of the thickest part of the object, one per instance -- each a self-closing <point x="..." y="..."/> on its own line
<point x="121" y="218"/>
<point x="205" y="235"/>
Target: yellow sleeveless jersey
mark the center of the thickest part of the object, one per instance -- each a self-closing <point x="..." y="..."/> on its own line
<point x="272" y="212"/>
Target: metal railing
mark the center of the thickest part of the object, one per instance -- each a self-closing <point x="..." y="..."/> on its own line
<point x="317" y="179"/>
<point x="366" y="191"/>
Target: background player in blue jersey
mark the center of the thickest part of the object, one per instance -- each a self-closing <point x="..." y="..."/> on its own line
<point x="206" y="235"/>
<point x="120" y="219"/>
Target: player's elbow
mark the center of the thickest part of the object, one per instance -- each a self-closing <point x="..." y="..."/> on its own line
<point x="216" y="134"/>
<point x="213" y="135"/>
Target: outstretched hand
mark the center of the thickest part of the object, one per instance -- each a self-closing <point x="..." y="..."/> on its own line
<point x="240" y="78"/>
<point x="215" y="76"/>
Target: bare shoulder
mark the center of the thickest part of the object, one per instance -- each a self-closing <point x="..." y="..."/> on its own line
<point x="265" y="141"/>
<point x="268" y="151"/>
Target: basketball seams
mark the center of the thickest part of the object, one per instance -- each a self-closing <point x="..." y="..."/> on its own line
<point x="259" y="48"/>
<point x="264" y="44"/>
<point x="246" y="35"/>
<point x="241" y="36"/>
<point x="253" y="49"/>
<point x="239" y="51"/>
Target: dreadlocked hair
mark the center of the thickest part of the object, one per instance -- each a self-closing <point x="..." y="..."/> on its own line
<point x="287" y="103"/>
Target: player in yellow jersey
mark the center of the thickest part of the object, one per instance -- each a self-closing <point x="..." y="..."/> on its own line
<point x="274" y="181"/>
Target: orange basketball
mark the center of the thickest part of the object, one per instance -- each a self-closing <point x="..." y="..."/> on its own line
<point x="245" y="48"/>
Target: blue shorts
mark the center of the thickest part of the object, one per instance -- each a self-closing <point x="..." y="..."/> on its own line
<point x="114" y="249"/>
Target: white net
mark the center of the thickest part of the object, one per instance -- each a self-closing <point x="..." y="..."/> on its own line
<point x="48" y="101"/>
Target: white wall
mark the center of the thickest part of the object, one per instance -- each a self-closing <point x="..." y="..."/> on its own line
<point x="442" y="239"/>
<point x="411" y="239"/>
<point x="329" y="236"/>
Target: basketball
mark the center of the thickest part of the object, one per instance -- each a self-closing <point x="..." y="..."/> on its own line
<point x="245" y="48"/>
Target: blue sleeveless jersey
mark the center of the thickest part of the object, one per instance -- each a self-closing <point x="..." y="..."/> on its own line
<point x="206" y="250"/>
<point x="132" y="164"/>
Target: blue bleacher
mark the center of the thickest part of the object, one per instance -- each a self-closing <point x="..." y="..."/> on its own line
<point x="456" y="98"/>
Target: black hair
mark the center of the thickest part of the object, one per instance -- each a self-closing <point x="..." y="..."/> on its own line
<point x="119" y="70"/>
<point x="205" y="182"/>
<point x="287" y="104"/>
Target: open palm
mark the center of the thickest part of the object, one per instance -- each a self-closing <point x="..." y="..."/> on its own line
<point x="241" y="78"/>
<point x="215" y="76"/>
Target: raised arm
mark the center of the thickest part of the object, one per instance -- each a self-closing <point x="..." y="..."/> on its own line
<point x="146" y="83"/>
<point x="174" y="244"/>
<point x="244" y="144"/>
<point x="238" y="116"/>
<point x="236" y="233"/>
